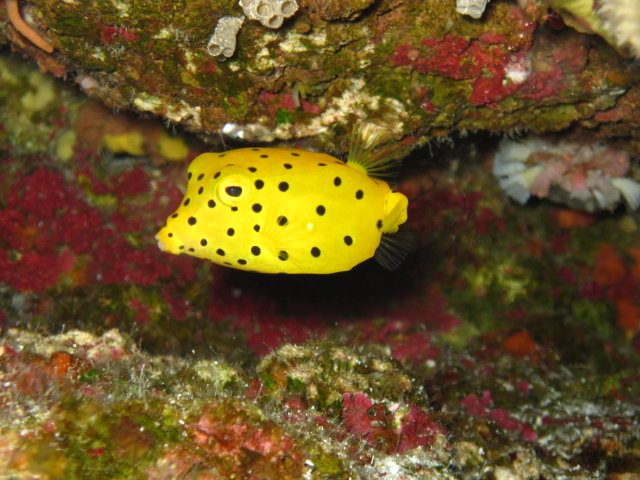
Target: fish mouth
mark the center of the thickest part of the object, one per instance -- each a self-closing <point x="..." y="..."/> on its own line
<point x="161" y="245"/>
<point x="165" y="243"/>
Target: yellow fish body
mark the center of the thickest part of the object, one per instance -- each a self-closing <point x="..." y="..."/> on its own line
<point x="284" y="210"/>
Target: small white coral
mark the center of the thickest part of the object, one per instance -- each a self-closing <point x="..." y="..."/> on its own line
<point x="587" y="177"/>
<point x="472" y="8"/>
<point x="223" y="40"/>
<point x="270" y="13"/>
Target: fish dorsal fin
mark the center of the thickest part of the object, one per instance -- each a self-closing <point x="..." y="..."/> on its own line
<point x="394" y="248"/>
<point x="374" y="151"/>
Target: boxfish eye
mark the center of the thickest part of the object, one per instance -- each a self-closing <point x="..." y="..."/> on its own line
<point x="233" y="191"/>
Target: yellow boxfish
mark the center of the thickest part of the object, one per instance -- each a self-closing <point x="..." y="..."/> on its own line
<point x="286" y="210"/>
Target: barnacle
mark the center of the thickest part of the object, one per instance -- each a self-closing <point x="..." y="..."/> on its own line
<point x="223" y="40"/>
<point x="473" y="8"/>
<point x="270" y="13"/>
<point x="13" y="12"/>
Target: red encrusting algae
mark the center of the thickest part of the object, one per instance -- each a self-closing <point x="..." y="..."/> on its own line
<point x="376" y="424"/>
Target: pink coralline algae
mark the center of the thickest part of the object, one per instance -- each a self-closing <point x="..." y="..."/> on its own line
<point x="48" y="230"/>
<point x="235" y="440"/>
<point x="377" y="425"/>
<point x="257" y="317"/>
<point x="482" y="406"/>
<point x="486" y="61"/>
<point x="496" y="65"/>
<point x="113" y="34"/>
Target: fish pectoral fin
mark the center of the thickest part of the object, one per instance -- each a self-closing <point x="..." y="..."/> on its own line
<point x="394" y="248"/>
<point x="375" y="152"/>
<point x="281" y="242"/>
<point x="395" y="211"/>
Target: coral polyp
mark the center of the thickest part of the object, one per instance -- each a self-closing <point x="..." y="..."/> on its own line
<point x="584" y="176"/>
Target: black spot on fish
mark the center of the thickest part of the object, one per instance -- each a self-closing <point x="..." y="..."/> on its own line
<point x="256" y="228"/>
<point x="288" y="166"/>
<point x="283" y="186"/>
<point x="181" y="247"/>
<point x="192" y="220"/>
<point x="234" y="209"/>
<point x="217" y="175"/>
<point x="203" y="242"/>
<point x="322" y="164"/>
<point x="379" y="224"/>
<point x="242" y="261"/>
<point x="186" y="202"/>
<point x="200" y="190"/>
<point x="211" y="203"/>
<point x="175" y="215"/>
<point x="259" y="184"/>
<point x="189" y="175"/>
<point x="170" y="235"/>
<point x="255" y="149"/>
<point x="230" y="232"/>
<point x="256" y="207"/>
<point x="359" y="194"/>
<point x="315" y="251"/>
<point x="264" y="156"/>
<point x="337" y="181"/>
<point x="221" y="155"/>
<point x="201" y="176"/>
<point x="295" y="154"/>
<point x="348" y="240"/>
<point x="255" y="250"/>
<point x="282" y="220"/>
<point x="282" y="255"/>
<point x="192" y="249"/>
<point x="252" y="169"/>
<point x="320" y="210"/>
<point x="220" y="252"/>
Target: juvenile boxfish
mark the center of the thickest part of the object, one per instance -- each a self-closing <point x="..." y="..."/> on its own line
<point x="286" y="210"/>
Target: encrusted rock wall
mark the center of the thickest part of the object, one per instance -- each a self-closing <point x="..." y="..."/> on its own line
<point x="418" y="66"/>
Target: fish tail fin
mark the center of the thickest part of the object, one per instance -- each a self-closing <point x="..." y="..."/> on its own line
<point x="394" y="248"/>
<point x="374" y="151"/>
<point x="395" y="211"/>
<point x="396" y="240"/>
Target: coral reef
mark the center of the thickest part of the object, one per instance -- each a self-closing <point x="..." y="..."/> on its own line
<point x="506" y="346"/>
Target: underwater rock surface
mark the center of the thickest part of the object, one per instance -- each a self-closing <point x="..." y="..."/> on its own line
<point x="507" y="345"/>
<point x="420" y="66"/>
